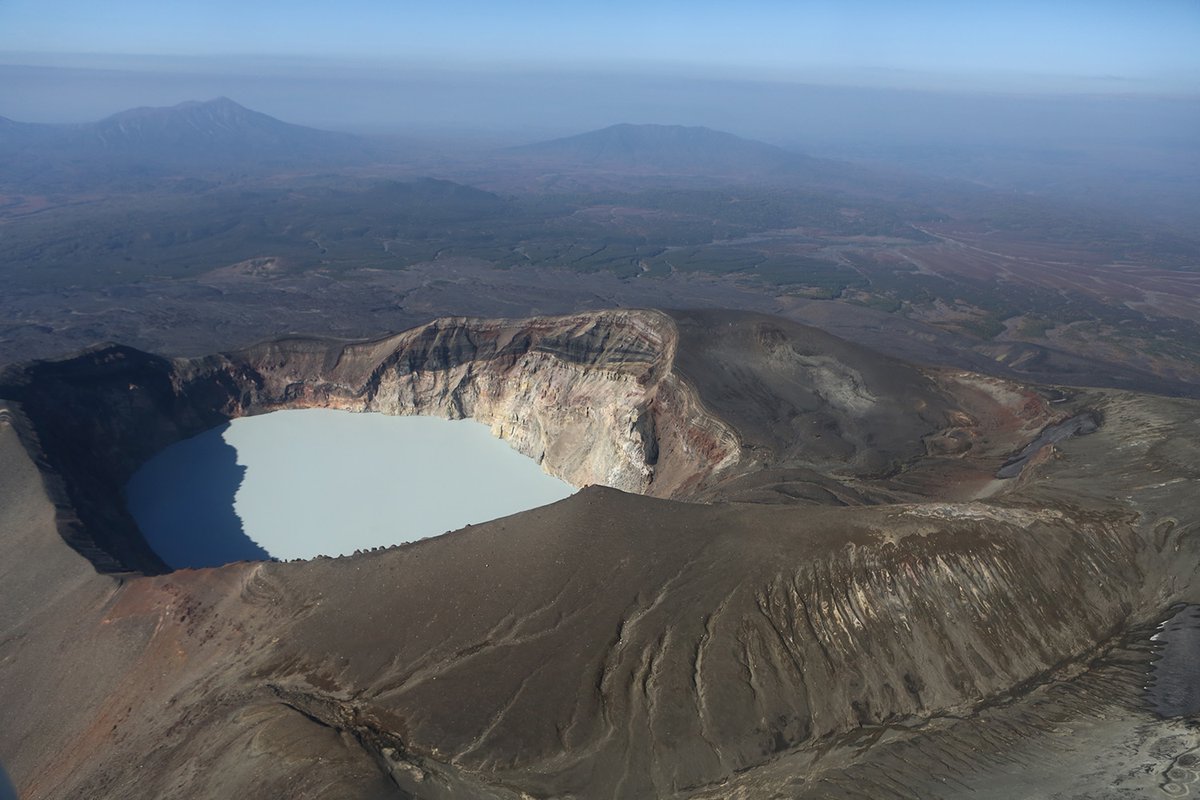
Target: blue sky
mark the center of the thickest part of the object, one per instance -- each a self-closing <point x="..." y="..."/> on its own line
<point x="1148" y="44"/>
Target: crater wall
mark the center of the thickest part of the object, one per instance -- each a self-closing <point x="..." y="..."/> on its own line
<point x="593" y="398"/>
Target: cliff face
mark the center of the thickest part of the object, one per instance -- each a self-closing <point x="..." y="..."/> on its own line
<point x="609" y="645"/>
<point x="591" y="397"/>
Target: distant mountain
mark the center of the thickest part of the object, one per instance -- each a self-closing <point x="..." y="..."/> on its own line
<point x="653" y="152"/>
<point x="674" y="148"/>
<point x="220" y="128"/>
<point x="214" y="135"/>
<point x="16" y="135"/>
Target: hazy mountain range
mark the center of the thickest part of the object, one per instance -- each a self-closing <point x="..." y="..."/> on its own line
<point x="220" y="134"/>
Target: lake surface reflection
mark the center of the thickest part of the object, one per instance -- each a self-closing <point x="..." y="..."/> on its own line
<point x="296" y="484"/>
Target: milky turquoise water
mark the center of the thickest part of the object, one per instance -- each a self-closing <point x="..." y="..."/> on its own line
<point x="296" y="484"/>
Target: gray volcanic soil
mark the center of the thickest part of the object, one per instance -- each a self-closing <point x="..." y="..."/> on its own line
<point x="867" y="627"/>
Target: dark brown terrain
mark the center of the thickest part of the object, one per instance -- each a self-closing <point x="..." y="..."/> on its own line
<point x="813" y="585"/>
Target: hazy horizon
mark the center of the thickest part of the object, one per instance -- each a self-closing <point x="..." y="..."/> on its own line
<point x="1103" y="39"/>
<point x="474" y="64"/>
<point x="1099" y="101"/>
<point x="376" y="99"/>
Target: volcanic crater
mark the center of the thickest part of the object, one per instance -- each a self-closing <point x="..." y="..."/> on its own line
<point x="796" y="559"/>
